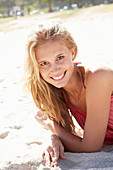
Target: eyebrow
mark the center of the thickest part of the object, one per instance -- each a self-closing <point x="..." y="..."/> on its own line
<point x="45" y="60"/>
<point x="59" y="54"/>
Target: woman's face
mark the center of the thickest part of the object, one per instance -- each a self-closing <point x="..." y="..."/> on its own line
<point x="55" y="62"/>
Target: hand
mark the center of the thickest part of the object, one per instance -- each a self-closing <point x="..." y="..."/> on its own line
<point x="53" y="151"/>
<point x="42" y="119"/>
<point x="45" y="121"/>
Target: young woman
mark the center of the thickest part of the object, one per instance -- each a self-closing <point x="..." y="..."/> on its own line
<point x="62" y="89"/>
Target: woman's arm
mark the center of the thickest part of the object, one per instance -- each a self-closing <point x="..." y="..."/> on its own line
<point x="98" y="95"/>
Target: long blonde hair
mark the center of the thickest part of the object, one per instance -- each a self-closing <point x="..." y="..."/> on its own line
<point x="49" y="99"/>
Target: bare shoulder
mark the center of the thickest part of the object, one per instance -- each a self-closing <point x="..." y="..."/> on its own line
<point x="99" y="88"/>
<point x="104" y="75"/>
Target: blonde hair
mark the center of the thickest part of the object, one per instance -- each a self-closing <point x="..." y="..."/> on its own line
<point x="49" y="99"/>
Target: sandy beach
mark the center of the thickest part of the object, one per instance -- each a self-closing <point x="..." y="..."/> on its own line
<point x="22" y="139"/>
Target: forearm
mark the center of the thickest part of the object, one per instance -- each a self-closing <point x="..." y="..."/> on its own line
<point x="63" y="135"/>
<point x="72" y="142"/>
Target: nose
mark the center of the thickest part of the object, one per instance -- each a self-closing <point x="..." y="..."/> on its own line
<point x="55" y="67"/>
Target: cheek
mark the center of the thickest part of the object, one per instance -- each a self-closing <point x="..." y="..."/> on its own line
<point x="69" y="63"/>
<point x="44" y="73"/>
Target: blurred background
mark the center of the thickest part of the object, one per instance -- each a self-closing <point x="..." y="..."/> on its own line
<point x="9" y="8"/>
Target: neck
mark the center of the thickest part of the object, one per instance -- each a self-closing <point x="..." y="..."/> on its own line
<point x="74" y="86"/>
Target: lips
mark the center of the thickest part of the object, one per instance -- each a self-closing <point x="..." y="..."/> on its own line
<point x="59" y="77"/>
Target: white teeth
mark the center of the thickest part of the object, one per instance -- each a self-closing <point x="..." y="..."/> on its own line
<point x="59" y="77"/>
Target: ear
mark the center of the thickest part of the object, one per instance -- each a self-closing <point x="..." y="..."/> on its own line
<point x="73" y="53"/>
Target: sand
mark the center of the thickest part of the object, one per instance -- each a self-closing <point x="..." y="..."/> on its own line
<point x="22" y="139"/>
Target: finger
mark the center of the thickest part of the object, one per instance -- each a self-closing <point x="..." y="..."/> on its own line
<point x="51" y="152"/>
<point x="43" y="154"/>
<point x="47" y="159"/>
<point x="62" y="153"/>
<point x="41" y="115"/>
<point x="40" y="120"/>
<point x="38" y="117"/>
<point x="53" y="161"/>
<point x="56" y="153"/>
<point x="62" y="157"/>
<point x="54" y="164"/>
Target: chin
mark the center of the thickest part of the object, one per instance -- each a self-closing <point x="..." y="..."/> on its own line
<point x="60" y="85"/>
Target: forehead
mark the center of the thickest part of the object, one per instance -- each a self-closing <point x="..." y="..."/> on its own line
<point x="53" y="47"/>
<point x="54" y="43"/>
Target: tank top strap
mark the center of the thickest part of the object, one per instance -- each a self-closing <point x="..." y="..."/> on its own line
<point x="82" y="77"/>
<point x="81" y="74"/>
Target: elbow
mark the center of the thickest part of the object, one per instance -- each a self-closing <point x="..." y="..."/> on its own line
<point x="90" y="149"/>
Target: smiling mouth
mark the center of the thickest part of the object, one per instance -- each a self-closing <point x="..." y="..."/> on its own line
<point x="59" y="77"/>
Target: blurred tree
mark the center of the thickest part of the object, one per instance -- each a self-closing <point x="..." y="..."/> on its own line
<point x="28" y="9"/>
<point x="2" y="11"/>
<point x="70" y="2"/>
<point x="110" y="1"/>
<point x="6" y="5"/>
<point x="78" y="2"/>
<point x="49" y="4"/>
<point x="93" y="2"/>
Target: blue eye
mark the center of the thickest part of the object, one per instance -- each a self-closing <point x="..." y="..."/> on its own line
<point x="60" y="57"/>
